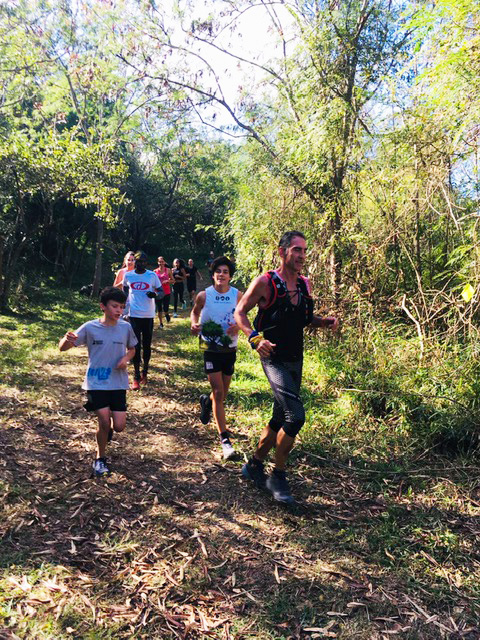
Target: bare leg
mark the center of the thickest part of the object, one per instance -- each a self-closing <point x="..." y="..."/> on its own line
<point x="218" y="381"/>
<point x="119" y="420"/>
<point x="283" y="447"/>
<point x="268" y="439"/>
<point x="103" y="428"/>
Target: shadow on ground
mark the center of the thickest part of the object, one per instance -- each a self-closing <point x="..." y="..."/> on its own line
<point x="175" y="545"/>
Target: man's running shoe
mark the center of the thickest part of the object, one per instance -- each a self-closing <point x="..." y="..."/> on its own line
<point x="277" y="483"/>
<point x="100" y="467"/>
<point x="136" y="385"/>
<point x="206" y="408"/>
<point x="167" y="317"/>
<point x="143" y="379"/>
<point x="254" y="470"/>
<point x="228" y="451"/>
<point x="161" y="325"/>
<point x="175" y="315"/>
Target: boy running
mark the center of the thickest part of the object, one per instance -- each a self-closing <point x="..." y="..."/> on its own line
<point x="111" y="345"/>
<point x="212" y="319"/>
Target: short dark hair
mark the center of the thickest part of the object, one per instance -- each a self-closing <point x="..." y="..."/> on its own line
<point x="141" y="255"/>
<point x="288" y="236"/>
<point x="112" y="293"/>
<point x="219" y="262"/>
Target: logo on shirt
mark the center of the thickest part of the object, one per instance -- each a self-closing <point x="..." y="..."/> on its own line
<point x="97" y="342"/>
<point x="102" y="373"/>
<point x="140" y="286"/>
<point x="222" y="298"/>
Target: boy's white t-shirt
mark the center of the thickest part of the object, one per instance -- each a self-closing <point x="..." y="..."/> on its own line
<point x="219" y="308"/>
<point x="140" y="305"/>
<point x="106" y="344"/>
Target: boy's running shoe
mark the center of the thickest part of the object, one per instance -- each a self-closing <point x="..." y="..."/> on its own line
<point x="255" y="472"/>
<point x="206" y="408"/>
<point x="228" y="451"/>
<point x="143" y="379"/>
<point x="136" y="385"/>
<point x="277" y="483"/>
<point x="100" y="467"/>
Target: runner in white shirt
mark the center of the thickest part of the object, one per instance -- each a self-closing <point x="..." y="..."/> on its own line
<point x="212" y="319"/>
<point x="143" y="287"/>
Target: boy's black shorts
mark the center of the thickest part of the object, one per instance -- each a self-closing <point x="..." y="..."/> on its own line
<point x="116" y="399"/>
<point x="224" y="362"/>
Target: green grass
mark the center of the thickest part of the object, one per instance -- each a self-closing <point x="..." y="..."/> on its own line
<point x="382" y="499"/>
<point x="29" y="335"/>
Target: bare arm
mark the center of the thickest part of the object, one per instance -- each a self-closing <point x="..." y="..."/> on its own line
<point x="118" y="279"/>
<point x="195" y="326"/>
<point x="255" y="293"/>
<point x="233" y="329"/>
<point x="122" y="363"/>
<point x="325" y="322"/>
<point x="68" y="341"/>
<point x="252" y="296"/>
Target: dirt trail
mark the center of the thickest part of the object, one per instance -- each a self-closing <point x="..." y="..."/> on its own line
<point x="174" y="544"/>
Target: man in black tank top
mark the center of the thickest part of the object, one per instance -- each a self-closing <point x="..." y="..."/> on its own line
<point x="285" y="308"/>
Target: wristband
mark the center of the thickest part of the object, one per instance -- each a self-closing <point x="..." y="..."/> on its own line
<point x="254" y="339"/>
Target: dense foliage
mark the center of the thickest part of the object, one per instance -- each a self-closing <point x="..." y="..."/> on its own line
<point x="127" y="125"/>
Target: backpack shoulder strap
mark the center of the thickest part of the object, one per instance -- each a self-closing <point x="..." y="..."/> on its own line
<point x="302" y="282"/>
<point x="277" y="288"/>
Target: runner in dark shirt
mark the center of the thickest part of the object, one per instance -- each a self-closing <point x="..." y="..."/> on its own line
<point x="285" y="307"/>
<point x="192" y="272"/>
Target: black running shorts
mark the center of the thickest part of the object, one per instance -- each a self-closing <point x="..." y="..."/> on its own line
<point x="215" y="362"/>
<point x="116" y="399"/>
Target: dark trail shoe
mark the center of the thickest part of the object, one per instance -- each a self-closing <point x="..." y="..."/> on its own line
<point x="255" y="472"/>
<point x="206" y="408"/>
<point x="277" y="483"/>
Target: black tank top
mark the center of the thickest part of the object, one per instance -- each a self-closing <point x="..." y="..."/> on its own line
<point x="177" y="273"/>
<point x="282" y="322"/>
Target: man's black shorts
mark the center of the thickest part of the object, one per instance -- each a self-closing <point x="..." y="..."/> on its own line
<point x="116" y="399"/>
<point x="224" y="362"/>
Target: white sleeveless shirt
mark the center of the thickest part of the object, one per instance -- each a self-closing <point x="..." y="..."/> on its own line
<point x="219" y="308"/>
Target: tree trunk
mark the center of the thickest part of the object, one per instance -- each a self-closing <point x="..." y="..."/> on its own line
<point x="8" y="273"/>
<point x="335" y="257"/>
<point x="2" y="251"/>
<point x="97" y="277"/>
